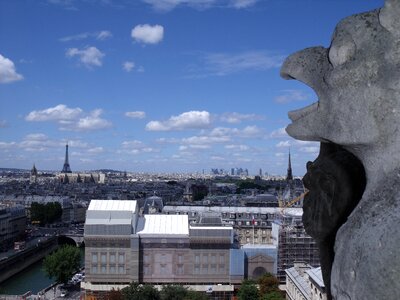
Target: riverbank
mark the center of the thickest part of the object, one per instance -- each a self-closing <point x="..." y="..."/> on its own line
<point x="25" y="258"/>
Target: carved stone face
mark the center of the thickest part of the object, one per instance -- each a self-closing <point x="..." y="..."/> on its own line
<point x="356" y="80"/>
<point x="336" y="181"/>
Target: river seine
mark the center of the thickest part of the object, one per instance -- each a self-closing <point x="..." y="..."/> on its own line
<point x="32" y="279"/>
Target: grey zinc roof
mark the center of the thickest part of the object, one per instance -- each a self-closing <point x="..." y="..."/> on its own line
<point x="110" y="212"/>
<point x="300" y="281"/>
<point x="113" y="205"/>
<point x="316" y="275"/>
<point x="163" y="225"/>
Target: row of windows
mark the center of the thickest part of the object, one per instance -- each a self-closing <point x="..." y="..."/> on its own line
<point x="108" y="244"/>
<point x="209" y="258"/>
<point x="257" y="231"/>
<point x="199" y="269"/>
<point x="110" y="269"/>
<point x="112" y="257"/>
<point x="204" y="269"/>
<point x="249" y="240"/>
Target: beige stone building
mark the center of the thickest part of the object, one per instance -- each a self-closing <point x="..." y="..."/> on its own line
<point x="122" y="247"/>
<point x="112" y="245"/>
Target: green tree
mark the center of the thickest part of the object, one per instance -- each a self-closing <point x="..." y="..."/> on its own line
<point x="136" y="291"/>
<point x="268" y="283"/>
<point x="63" y="263"/>
<point x="199" y="191"/>
<point x="248" y="291"/>
<point x="46" y="213"/>
<point x="114" y="295"/>
<point x="173" y="292"/>
<point x="194" y="295"/>
<point x="275" y="295"/>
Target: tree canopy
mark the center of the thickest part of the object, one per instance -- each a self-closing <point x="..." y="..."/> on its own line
<point x="63" y="263"/>
<point x="266" y="288"/>
<point x="269" y="288"/>
<point x="136" y="291"/>
<point x="248" y="290"/>
<point x="46" y="213"/>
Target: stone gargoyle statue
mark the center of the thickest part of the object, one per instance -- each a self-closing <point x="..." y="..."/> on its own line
<point x="357" y="81"/>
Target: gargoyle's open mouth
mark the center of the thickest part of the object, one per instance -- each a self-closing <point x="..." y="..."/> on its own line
<point x="297" y="114"/>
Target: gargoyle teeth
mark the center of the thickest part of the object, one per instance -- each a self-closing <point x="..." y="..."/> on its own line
<point x="294" y="115"/>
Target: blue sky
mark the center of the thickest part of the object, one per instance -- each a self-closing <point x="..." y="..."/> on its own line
<point x="157" y="85"/>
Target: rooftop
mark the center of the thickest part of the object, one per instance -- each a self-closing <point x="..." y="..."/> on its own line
<point x="300" y="281"/>
<point x="316" y="275"/>
<point x="163" y="225"/>
<point x="113" y="205"/>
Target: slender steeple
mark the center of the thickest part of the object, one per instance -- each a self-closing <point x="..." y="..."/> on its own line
<point x="34" y="175"/>
<point x="66" y="167"/>
<point x="289" y="175"/>
<point x="34" y="171"/>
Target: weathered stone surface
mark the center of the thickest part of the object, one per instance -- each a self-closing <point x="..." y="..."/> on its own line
<point x="357" y="81"/>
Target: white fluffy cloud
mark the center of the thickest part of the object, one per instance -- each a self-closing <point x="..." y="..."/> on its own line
<point x="91" y="122"/>
<point x="186" y="120"/>
<point x="234" y="117"/>
<point x="7" y="145"/>
<point x="194" y="147"/>
<point x="289" y="96"/>
<point x="57" y="113"/>
<point x="136" y="147"/>
<point x="38" y="142"/>
<point x="148" y="34"/>
<point x="103" y="35"/>
<point x="128" y="66"/>
<point x="246" y="132"/>
<point x="237" y="147"/>
<point x="279" y="133"/>
<point x="70" y="118"/>
<point x="135" y="114"/>
<point x="283" y="144"/>
<point x="204" y="139"/>
<point x="8" y="72"/>
<point x="89" y="56"/>
<point x="302" y="146"/>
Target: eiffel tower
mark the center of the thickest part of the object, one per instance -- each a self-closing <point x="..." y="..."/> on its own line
<point x="66" y="168"/>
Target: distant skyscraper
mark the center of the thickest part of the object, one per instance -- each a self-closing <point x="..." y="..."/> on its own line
<point x="289" y="175"/>
<point x="260" y="173"/>
<point x="66" y="168"/>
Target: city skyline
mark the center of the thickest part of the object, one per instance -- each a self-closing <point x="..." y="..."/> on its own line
<point x="157" y="85"/>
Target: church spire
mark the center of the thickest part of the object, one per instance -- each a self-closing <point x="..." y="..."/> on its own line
<point x="289" y="175"/>
<point x="34" y="171"/>
<point x="66" y="167"/>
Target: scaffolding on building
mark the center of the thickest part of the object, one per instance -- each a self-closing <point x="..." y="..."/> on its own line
<point x="294" y="245"/>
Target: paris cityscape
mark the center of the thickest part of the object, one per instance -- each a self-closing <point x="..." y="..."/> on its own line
<point x="144" y="152"/>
